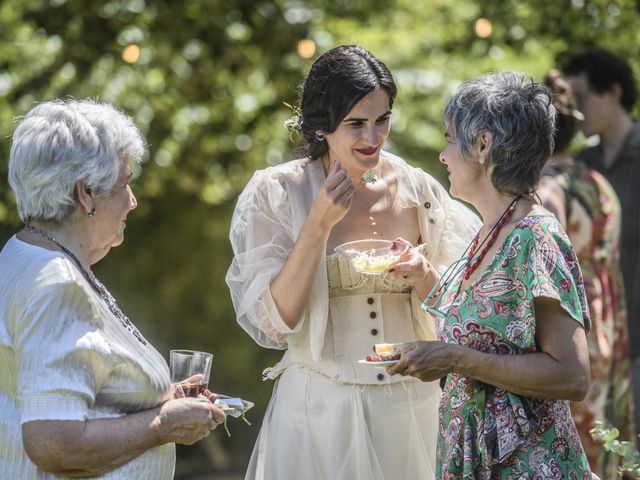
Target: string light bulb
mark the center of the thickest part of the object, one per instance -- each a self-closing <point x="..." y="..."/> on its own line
<point x="131" y="53"/>
<point x="306" y="48"/>
<point x="483" y="28"/>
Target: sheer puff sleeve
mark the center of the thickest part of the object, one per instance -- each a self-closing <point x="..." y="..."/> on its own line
<point x="447" y="228"/>
<point x="446" y="225"/>
<point x="63" y="358"/>
<point x="262" y="238"/>
<point x="553" y="270"/>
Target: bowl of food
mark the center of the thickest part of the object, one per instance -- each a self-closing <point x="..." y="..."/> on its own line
<point x="371" y="257"/>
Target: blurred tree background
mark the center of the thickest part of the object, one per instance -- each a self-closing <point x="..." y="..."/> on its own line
<point x="206" y="81"/>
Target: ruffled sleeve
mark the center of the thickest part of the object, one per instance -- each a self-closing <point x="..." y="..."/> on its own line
<point x="59" y="380"/>
<point x="261" y="238"/>
<point x="553" y="270"/>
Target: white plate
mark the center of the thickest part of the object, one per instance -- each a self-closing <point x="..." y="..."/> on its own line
<point x="383" y="364"/>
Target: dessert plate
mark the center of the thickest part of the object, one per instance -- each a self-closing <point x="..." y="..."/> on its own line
<point x="383" y="364"/>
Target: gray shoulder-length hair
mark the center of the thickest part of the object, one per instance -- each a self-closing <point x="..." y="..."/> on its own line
<point x="62" y="141"/>
<point x="519" y="115"/>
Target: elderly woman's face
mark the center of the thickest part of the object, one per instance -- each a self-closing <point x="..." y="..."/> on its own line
<point x="112" y="210"/>
<point x="452" y="159"/>
<point x="462" y="175"/>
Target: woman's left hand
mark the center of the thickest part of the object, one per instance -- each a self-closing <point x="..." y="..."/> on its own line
<point x="426" y="360"/>
<point x="413" y="269"/>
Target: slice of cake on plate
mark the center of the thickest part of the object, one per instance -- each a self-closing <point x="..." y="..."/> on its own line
<point x="385" y="352"/>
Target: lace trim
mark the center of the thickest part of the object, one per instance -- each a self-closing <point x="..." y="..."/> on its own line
<point x="272" y="373"/>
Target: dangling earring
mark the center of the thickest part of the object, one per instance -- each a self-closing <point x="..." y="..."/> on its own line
<point x="92" y="213"/>
<point x="320" y="136"/>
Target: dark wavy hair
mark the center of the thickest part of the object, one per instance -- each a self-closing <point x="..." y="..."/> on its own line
<point x="603" y="69"/>
<point x="338" y="80"/>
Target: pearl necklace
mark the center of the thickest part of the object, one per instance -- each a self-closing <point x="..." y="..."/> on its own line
<point x="99" y="288"/>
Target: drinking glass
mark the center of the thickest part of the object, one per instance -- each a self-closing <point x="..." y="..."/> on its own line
<point x="190" y="370"/>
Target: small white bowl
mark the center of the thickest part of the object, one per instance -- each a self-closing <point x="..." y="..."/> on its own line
<point x="371" y="257"/>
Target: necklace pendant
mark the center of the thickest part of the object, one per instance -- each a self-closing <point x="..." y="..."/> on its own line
<point x="369" y="177"/>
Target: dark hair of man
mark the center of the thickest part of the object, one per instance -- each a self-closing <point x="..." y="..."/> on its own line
<point x="603" y="69"/>
<point x="565" y="103"/>
<point x="338" y="80"/>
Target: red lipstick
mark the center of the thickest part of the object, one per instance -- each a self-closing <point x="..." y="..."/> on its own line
<point x="367" y="151"/>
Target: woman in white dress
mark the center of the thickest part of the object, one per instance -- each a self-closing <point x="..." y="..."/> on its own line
<point x="82" y="393"/>
<point x="330" y="417"/>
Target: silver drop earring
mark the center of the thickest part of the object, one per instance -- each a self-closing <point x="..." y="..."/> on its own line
<point x="320" y="136"/>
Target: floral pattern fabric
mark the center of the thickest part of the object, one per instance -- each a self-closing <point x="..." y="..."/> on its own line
<point x="593" y="226"/>
<point x="487" y="432"/>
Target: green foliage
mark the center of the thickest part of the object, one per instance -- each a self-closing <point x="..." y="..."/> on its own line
<point x="626" y="450"/>
<point x="208" y="89"/>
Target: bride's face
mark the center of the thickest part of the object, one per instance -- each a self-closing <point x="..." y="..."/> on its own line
<point x="359" y="138"/>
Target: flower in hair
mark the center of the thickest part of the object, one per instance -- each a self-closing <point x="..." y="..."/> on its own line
<point x="293" y="124"/>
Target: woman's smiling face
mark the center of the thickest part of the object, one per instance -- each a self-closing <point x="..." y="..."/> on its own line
<point x="357" y="141"/>
<point x="463" y="174"/>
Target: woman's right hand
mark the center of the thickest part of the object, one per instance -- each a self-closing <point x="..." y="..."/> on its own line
<point x="334" y="198"/>
<point x="413" y="269"/>
<point x="187" y="420"/>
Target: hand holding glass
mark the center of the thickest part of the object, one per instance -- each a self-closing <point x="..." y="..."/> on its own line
<point x="190" y="370"/>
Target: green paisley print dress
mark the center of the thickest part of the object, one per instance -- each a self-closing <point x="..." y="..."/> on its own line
<point x="486" y="432"/>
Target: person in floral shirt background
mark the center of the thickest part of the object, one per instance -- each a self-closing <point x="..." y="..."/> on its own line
<point x="588" y="208"/>
<point x="513" y="319"/>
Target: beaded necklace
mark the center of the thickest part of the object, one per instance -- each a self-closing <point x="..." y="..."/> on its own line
<point x="489" y="239"/>
<point x="99" y="288"/>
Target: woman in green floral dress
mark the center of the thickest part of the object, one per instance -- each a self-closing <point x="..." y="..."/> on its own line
<point x="512" y="318"/>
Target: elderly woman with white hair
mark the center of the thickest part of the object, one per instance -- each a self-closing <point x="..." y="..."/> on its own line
<point x="512" y="316"/>
<point x="82" y="393"/>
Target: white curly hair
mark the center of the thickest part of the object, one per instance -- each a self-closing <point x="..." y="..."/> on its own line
<point x="62" y="141"/>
